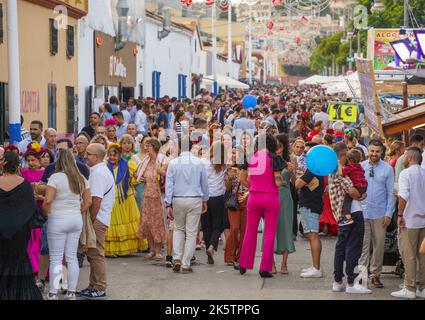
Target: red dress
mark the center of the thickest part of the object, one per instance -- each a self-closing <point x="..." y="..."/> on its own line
<point x="327" y="216"/>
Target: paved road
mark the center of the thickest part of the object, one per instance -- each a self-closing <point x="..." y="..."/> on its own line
<point x="133" y="279"/>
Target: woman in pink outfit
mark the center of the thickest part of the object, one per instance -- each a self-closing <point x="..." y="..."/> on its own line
<point x="259" y="176"/>
<point x="33" y="175"/>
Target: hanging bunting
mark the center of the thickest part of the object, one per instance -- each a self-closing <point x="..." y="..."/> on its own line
<point x="188" y="3"/>
<point x="224" y="5"/>
<point x="277" y="2"/>
<point x="209" y="3"/>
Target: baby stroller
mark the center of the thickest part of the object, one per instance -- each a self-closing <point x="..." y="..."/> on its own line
<point x="392" y="255"/>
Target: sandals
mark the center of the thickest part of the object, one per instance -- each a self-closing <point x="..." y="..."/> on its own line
<point x="284" y="272"/>
<point x="149" y="256"/>
<point x="159" y="257"/>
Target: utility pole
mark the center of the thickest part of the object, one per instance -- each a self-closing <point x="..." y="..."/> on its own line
<point x="214" y="39"/>
<point x="229" y="39"/>
<point x="406" y="13"/>
<point x="14" y="72"/>
<point x="250" y="44"/>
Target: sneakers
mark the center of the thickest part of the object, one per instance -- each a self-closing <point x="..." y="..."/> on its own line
<point x="420" y="294"/>
<point x="169" y="261"/>
<point x="357" y="289"/>
<point x="70" y="296"/>
<point x="336" y="287"/>
<point x="306" y="270"/>
<point x="193" y="259"/>
<point x="93" y="295"/>
<point x="404" y="293"/>
<point x="345" y="222"/>
<point x="312" y="273"/>
<point x="52" y="296"/>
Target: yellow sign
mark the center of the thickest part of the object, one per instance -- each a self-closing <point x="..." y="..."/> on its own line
<point x="343" y="111"/>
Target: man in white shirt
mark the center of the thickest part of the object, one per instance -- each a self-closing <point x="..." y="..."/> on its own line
<point x="102" y="187"/>
<point x="36" y="132"/>
<point x="141" y="120"/>
<point x="186" y="196"/>
<point x="411" y="222"/>
<point x="125" y="113"/>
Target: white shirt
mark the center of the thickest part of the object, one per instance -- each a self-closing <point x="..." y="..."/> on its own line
<point x="66" y="202"/>
<point x="127" y="116"/>
<point x="22" y="146"/>
<point x="141" y="121"/>
<point x="216" y="184"/>
<point x="356" y="206"/>
<point x="102" y="185"/>
<point x="324" y="117"/>
<point x="423" y="160"/>
<point x="412" y="189"/>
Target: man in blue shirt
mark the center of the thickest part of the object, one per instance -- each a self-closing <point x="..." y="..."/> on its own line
<point x="186" y="196"/>
<point x="378" y="210"/>
<point x="121" y="124"/>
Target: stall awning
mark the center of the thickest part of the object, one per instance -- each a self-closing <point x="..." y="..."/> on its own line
<point x="405" y="119"/>
<point x="225" y="81"/>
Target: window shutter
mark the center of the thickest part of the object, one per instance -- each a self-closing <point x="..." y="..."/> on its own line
<point x="1" y="24"/>
<point x="154" y="84"/>
<point x="53" y="37"/>
<point x="70" y="42"/>
<point x="70" y="121"/>
<point x="52" y="105"/>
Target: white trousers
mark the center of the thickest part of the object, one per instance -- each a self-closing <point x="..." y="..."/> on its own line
<point x="63" y="234"/>
<point x="187" y="214"/>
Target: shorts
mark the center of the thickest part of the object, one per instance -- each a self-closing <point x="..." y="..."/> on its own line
<point x="309" y="220"/>
<point x="44" y="244"/>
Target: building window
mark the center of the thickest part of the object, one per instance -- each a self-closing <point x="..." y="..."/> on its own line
<point x="53" y="37"/>
<point x="4" y="112"/>
<point x="70" y="103"/>
<point x="182" y="86"/>
<point x="52" y="105"/>
<point x="70" y="42"/>
<point x="1" y="24"/>
<point x="156" y="84"/>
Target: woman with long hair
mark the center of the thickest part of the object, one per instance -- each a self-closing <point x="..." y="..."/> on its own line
<point x="236" y="216"/>
<point x="121" y="238"/>
<point x="212" y="220"/>
<point x="33" y="173"/>
<point x="127" y="145"/>
<point x="284" y="244"/>
<point x="67" y="196"/>
<point x="262" y="176"/>
<point x="111" y="131"/>
<point x="17" y="209"/>
<point x="395" y="151"/>
<point x="152" y="224"/>
<point x="47" y="158"/>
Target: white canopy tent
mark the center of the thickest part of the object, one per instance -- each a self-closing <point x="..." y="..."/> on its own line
<point x="224" y="81"/>
<point x="335" y="85"/>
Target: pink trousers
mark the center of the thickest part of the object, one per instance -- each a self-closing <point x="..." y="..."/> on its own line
<point x="264" y="205"/>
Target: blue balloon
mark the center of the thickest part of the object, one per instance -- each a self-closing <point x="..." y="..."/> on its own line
<point x="249" y="102"/>
<point x="322" y="161"/>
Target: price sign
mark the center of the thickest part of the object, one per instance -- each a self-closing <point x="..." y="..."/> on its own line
<point x="343" y="111"/>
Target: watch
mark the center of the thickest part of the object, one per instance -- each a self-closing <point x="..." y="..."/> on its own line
<point x="400" y="215"/>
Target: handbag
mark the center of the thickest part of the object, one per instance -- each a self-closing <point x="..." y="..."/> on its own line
<point x="38" y="219"/>
<point x="232" y="201"/>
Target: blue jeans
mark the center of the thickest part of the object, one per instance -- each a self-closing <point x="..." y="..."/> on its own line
<point x="349" y="248"/>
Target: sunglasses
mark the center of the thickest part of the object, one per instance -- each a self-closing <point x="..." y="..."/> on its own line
<point x="371" y="172"/>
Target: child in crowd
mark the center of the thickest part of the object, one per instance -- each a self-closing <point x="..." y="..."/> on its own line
<point x="355" y="172"/>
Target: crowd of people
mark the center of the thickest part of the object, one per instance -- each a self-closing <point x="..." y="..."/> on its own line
<point x="167" y="177"/>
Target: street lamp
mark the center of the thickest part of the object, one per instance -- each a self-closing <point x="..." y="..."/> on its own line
<point x="122" y="34"/>
<point x="350" y="35"/>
